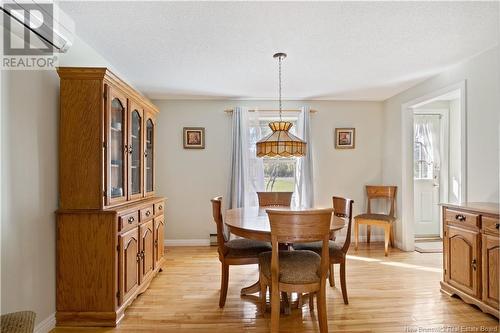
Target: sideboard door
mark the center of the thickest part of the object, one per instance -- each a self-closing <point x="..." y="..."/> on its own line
<point x="128" y="272"/>
<point x="462" y="264"/>
<point x="159" y="224"/>
<point x="147" y="250"/>
<point x="491" y="268"/>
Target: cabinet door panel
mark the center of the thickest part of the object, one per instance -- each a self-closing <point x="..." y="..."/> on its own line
<point x="135" y="145"/>
<point x="463" y="267"/>
<point x="491" y="267"/>
<point x="159" y="224"/>
<point x="128" y="264"/>
<point x="149" y="153"/>
<point x="147" y="249"/>
<point x="116" y="145"/>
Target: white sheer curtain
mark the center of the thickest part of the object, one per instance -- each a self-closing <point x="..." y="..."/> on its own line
<point x="427" y="136"/>
<point x="247" y="171"/>
<point x="304" y="185"/>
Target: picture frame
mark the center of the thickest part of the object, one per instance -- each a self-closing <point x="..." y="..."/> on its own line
<point x="194" y="137"/>
<point x="345" y="138"/>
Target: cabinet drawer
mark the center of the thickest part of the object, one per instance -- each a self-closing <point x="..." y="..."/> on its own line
<point x="461" y="218"/>
<point x="147" y="213"/>
<point x="128" y="221"/>
<point x="490" y="225"/>
<point x="159" y="208"/>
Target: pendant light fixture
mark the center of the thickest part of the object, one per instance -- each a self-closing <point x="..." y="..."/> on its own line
<point x="280" y="143"/>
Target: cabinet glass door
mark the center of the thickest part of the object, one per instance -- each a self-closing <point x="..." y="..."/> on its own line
<point x="116" y="155"/>
<point x="135" y="150"/>
<point x="149" y="151"/>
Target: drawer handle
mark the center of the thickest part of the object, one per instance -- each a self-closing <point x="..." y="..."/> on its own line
<point x="148" y="213"/>
<point x="160" y="207"/>
<point x="474" y="264"/>
<point x="460" y="217"/>
<point x="131" y="220"/>
<point x="497" y="226"/>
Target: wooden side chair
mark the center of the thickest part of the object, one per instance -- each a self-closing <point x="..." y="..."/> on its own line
<point x="296" y="271"/>
<point x="274" y="198"/>
<point x="233" y="252"/>
<point x="342" y="208"/>
<point x="385" y="221"/>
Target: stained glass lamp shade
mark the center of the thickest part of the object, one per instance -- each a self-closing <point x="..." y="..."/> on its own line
<point x="281" y="143"/>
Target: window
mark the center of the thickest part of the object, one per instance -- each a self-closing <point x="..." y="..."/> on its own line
<point x="279" y="173"/>
<point x="422" y="168"/>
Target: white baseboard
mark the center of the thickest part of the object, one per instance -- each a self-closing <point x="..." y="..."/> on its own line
<point x="187" y="242"/>
<point x="46" y="325"/>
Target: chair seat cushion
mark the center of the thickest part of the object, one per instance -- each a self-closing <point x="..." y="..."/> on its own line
<point x="295" y="267"/>
<point x="242" y="247"/>
<point x="334" y="249"/>
<point x="378" y="217"/>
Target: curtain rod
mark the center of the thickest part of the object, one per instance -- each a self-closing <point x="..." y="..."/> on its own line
<point x="289" y="110"/>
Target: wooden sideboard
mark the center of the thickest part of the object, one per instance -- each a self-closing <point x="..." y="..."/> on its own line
<point x="471" y="254"/>
<point x="110" y="224"/>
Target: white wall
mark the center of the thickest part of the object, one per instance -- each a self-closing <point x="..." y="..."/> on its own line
<point x="29" y="129"/>
<point x="190" y="178"/>
<point x="482" y="80"/>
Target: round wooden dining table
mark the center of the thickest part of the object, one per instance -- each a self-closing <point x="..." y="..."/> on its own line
<point x="253" y="223"/>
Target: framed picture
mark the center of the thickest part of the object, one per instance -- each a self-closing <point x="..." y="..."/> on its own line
<point x="194" y="137"/>
<point x="344" y="138"/>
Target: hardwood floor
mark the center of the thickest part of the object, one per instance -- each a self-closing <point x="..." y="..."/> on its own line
<point x="399" y="293"/>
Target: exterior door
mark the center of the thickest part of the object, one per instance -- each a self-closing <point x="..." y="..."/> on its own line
<point x="135" y="150"/>
<point x="491" y="269"/>
<point x="128" y="264"/>
<point x="147" y="250"/>
<point x="149" y="153"/>
<point x="159" y="225"/>
<point x="116" y="146"/>
<point x="462" y="268"/>
<point x="427" y="169"/>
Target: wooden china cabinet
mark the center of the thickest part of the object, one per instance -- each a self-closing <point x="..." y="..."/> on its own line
<point x="110" y="223"/>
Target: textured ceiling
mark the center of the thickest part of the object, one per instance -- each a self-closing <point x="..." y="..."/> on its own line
<point x="336" y="50"/>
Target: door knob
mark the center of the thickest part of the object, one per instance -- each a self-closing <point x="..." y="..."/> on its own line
<point x="474" y="264"/>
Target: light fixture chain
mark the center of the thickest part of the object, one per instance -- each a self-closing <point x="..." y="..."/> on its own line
<point x="279" y="71"/>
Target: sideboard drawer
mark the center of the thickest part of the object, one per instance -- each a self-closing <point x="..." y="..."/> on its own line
<point x="490" y="225"/>
<point x="159" y="208"/>
<point x="128" y="221"/>
<point x="147" y="213"/>
<point x="461" y="218"/>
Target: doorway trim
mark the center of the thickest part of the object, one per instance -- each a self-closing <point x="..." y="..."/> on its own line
<point x="407" y="195"/>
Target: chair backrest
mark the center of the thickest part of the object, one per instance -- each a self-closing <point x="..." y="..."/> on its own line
<point x="382" y="192"/>
<point x="274" y="198"/>
<point x="289" y="226"/>
<point x="342" y="208"/>
<point x="217" y="214"/>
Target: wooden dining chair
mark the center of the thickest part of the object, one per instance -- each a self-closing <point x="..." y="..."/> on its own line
<point x="239" y="251"/>
<point x="274" y="198"/>
<point x="386" y="221"/>
<point x="342" y="208"/>
<point x="296" y="271"/>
